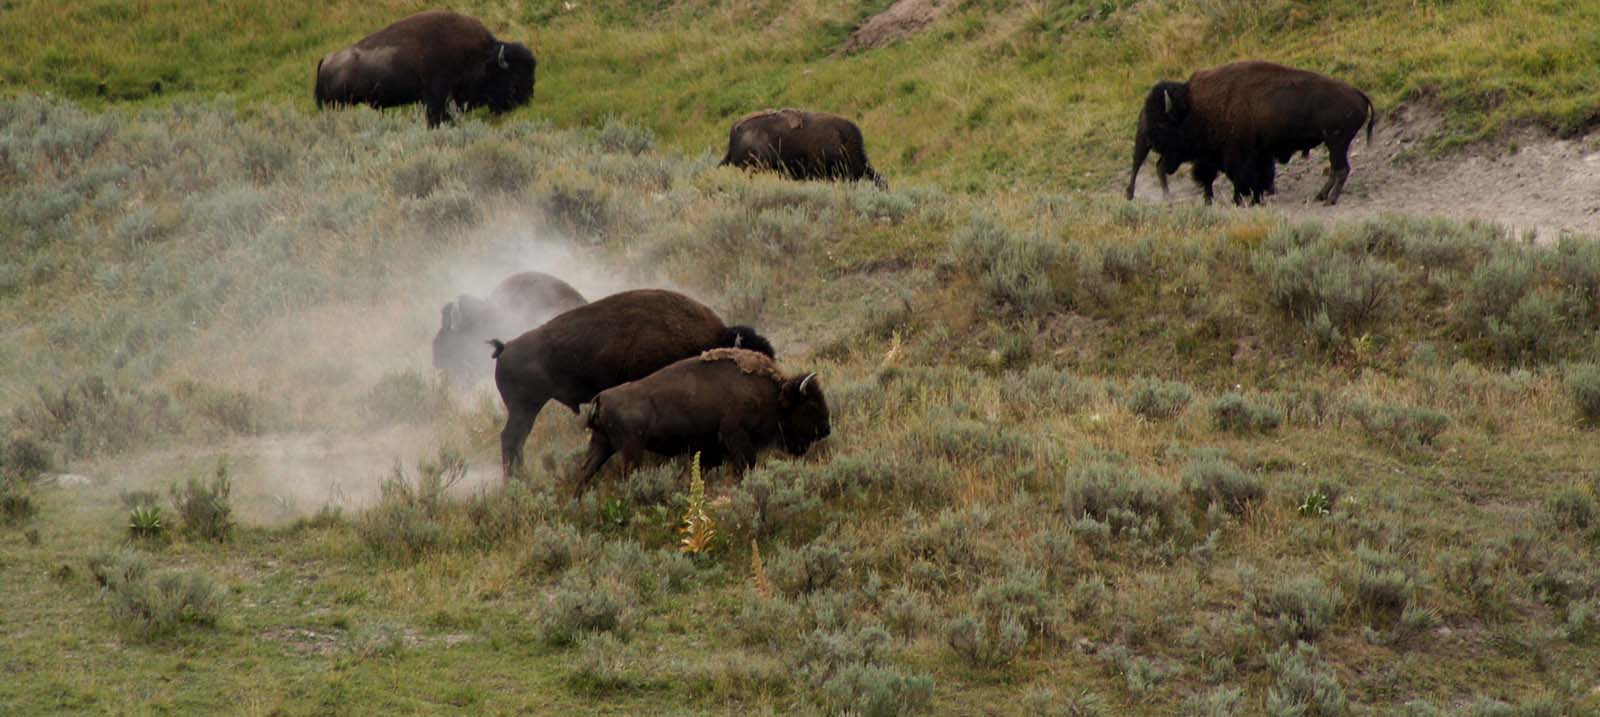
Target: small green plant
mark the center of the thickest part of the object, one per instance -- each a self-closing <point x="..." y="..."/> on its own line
<point x="1316" y="504"/>
<point x="146" y="523"/>
<point x="203" y="506"/>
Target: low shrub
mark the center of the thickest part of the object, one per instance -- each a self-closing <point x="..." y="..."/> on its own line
<point x="768" y="622"/>
<point x="16" y="501"/>
<point x="1219" y="702"/>
<point x="1311" y="278"/>
<point x="907" y="613"/>
<point x="1383" y="586"/>
<point x="1013" y="268"/>
<point x="1300" y="608"/>
<point x="1574" y="507"/>
<point x="617" y="135"/>
<point x="844" y="672"/>
<point x="1215" y="481"/>
<point x="1305" y="686"/>
<point x="406" y="397"/>
<point x="1157" y="400"/>
<point x="153" y="606"/>
<point x="202" y="506"/>
<point x="1404" y="427"/>
<point x="1236" y="414"/>
<point x="811" y="568"/>
<point x="1583" y="385"/>
<point x="408" y="521"/>
<point x="1121" y="497"/>
<point x="582" y="604"/>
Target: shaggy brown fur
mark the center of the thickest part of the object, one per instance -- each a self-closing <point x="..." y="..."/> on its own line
<point x="1242" y="118"/>
<point x="804" y="145"/>
<point x="727" y="407"/>
<point x="431" y="57"/>
<point x="574" y="356"/>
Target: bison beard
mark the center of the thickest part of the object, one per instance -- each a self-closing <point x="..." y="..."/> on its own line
<point x="801" y="144"/>
<point x="1242" y="118"/>
<point x="725" y="404"/>
<point x="433" y="57"/>
<point x="624" y="337"/>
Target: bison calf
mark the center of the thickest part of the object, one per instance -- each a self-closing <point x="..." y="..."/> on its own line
<point x="801" y="144"/>
<point x="1241" y="118"/>
<point x="724" y="404"/>
<point x="623" y="337"/>
<point x="431" y="57"/>
<point x="521" y="302"/>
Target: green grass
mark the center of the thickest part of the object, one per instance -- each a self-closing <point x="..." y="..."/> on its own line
<point x="994" y="95"/>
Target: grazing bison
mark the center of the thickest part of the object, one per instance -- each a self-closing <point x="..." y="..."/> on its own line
<point x="1241" y="118"/>
<point x="724" y="403"/>
<point x="804" y="145"/>
<point x="517" y="304"/>
<point x="623" y="337"/>
<point x="431" y="57"/>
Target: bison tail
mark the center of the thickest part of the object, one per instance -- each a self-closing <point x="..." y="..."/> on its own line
<point x="744" y="337"/>
<point x="589" y="413"/>
<point x="499" y="348"/>
<point x="1372" y="116"/>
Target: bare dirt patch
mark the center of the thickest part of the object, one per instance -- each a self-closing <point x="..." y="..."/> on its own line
<point x="903" y="19"/>
<point x="1531" y="184"/>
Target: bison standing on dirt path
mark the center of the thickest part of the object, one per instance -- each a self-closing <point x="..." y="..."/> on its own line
<point x="724" y="403"/>
<point x="623" y="337"/>
<point x="804" y="145"/>
<point x="521" y="302"/>
<point x="1243" y="117"/>
<point x="431" y="57"/>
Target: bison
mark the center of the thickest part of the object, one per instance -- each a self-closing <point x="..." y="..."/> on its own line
<point x="804" y="145"/>
<point x="623" y="337"/>
<point x="517" y="304"/>
<point x="1241" y="118"/>
<point x="723" y="404"/>
<point x="431" y="57"/>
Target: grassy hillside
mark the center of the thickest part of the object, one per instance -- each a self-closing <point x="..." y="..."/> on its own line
<point x="993" y="95"/>
<point x="1089" y="457"/>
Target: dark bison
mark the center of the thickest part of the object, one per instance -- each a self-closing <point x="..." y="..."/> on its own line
<point x="1242" y="118"/>
<point x="804" y="145"/>
<point x="724" y="404"/>
<point x="521" y="302"/>
<point x="431" y="57"/>
<point x="623" y="337"/>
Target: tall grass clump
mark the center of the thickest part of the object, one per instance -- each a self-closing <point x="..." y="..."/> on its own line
<point x="1299" y="608"/>
<point x="1120" y="497"/>
<point x="1400" y="427"/>
<point x="409" y="520"/>
<point x="16" y="501"/>
<point x="203" y="507"/>
<point x="1305" y="686"/>
<point x="1236" y="414"/>
<point x="1214" y="481"/>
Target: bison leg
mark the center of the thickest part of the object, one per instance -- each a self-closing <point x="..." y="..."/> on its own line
<point x="519" y="423"/>
<point x="600" y="450"/>
<point x="1339" y="158"/>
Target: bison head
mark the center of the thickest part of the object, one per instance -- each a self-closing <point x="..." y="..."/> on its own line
<point x="803" y="413"/>
<point x="458" y="347"/>
<point x="1162" y="128"/>
<point x="508" y="78"/>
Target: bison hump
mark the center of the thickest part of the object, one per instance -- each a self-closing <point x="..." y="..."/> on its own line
<point x="750" y="362"/>
<point x="789" y="118"/>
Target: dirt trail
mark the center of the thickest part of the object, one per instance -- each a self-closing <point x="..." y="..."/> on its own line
<point x="1547" y="186"/>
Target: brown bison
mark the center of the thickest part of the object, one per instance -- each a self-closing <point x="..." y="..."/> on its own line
<point x="431" y="57"/>
<point x="1243" y="117"/>
<point x="623" y="337"/>
<point x="723" y="404"/>
<point x="517" y="304"/>
<point x="804" y="145"/>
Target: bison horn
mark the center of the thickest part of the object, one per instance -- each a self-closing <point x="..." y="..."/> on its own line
<point x="806" y="380"/>
<point x="501" y="58"/>
<point x="738" y="340"/>
<point x="1167" y="98"/>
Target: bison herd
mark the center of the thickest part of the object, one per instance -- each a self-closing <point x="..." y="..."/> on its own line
<point x="655" y="371"/>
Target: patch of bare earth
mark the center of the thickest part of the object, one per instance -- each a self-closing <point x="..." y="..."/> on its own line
<point x="1533" y="183"/>
<point x="903" y="19"/>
